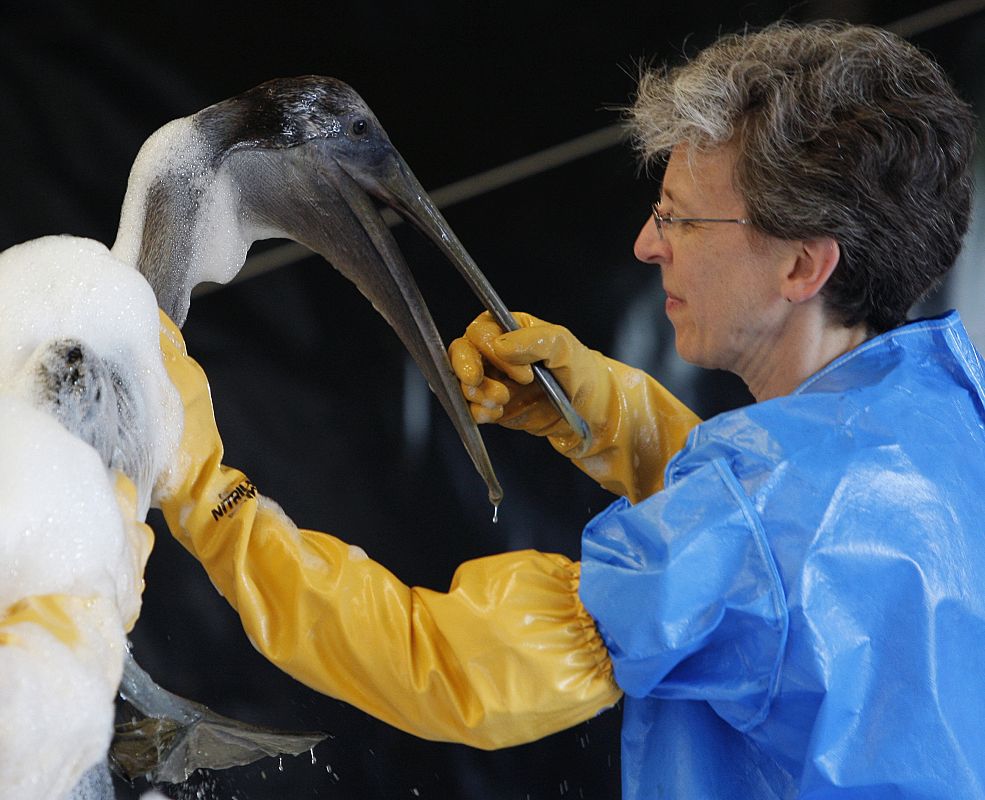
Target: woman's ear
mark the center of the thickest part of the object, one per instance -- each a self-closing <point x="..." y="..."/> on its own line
<point x="814" y="261"/>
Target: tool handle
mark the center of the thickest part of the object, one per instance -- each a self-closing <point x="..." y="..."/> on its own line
<point x="561" y="402"/>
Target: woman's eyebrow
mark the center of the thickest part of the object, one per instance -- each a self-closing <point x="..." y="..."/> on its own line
<point x="669" y="195"/>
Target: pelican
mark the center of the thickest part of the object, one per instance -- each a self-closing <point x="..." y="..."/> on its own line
<point x="303" y="159"/>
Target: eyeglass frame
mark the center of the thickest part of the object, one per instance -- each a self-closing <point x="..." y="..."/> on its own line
<point x="660" y="220"/>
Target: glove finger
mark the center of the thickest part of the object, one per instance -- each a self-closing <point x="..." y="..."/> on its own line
<point x="482" y="414"/>
<point x="481" y="333"/>
<point x="490" y="393"/>
<point x="531" y="411"/>
<point x="466" y="362"/>
<point x="487" y="400"/>
<point x="545" y="342"/>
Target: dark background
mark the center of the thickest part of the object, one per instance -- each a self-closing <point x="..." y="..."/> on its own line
<point x="312" y="391"/>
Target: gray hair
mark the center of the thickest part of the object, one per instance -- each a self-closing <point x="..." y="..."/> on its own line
<point x="843" y="131"/>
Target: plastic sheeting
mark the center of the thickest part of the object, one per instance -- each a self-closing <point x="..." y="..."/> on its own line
<point x="800" y="612"/>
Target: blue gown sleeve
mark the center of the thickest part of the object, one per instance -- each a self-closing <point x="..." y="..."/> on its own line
<point x="687" y="597"/>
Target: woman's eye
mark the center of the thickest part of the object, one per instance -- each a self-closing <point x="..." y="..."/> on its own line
<point x="682" y="223"/>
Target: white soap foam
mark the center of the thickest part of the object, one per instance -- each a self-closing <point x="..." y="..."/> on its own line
<point x="64" y="287"/>
<point x="174" y="144"/>
<point x="62" y="531"/>
<point x="217" y="237"/>
<point x="57" y="701"/>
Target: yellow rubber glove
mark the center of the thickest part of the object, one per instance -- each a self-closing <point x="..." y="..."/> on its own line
<point x="61" y="660"/>
<point x="636" y="424"/>
<point x="58" y="613"/>
<point x="507" y="655"/>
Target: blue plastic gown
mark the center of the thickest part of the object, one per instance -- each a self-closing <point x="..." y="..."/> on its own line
<point x="800" y="613"/>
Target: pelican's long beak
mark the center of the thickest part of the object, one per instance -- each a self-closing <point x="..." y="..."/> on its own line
<point x="402" y="305"/>
<point x="334" y="216"/>
<point x="392" y="181"/>
<point x="397" y="186"/>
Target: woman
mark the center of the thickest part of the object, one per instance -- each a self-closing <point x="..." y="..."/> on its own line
<point x="792" y="601"/>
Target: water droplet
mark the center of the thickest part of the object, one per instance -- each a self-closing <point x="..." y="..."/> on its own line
<point x="280" y="763"/>
<point x="313" y="759"/>
<point x="495" y="514"/>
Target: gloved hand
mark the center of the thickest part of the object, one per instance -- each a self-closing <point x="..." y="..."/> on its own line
<point x="507" y="655"/>
<point x="636" y="424"/>
<point x="61" y="658"/>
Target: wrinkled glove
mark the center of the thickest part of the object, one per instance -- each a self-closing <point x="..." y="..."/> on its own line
<point x="507" y="655"/>
<point x="636" y="424"/>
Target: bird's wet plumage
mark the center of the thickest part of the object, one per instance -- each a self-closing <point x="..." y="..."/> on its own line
<point x="303" y="159"/>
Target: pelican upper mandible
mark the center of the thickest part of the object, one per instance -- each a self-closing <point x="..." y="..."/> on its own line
<point x="298" y="158"/>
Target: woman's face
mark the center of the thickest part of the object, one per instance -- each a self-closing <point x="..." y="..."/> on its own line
<point x="721" y="280"/>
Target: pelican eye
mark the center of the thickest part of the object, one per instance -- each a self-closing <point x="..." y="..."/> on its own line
<point x="359" y="127"/>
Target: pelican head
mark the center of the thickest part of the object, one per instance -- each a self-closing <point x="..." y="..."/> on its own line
<point x="303" y="159"/>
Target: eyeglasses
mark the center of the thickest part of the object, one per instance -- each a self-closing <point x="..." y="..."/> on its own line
<point x="668" y="220"/>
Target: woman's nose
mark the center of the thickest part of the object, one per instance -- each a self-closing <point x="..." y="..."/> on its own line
<point x="650" y="246"/>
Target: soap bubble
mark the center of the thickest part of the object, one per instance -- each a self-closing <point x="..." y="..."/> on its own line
<point x="84" y="400"/>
